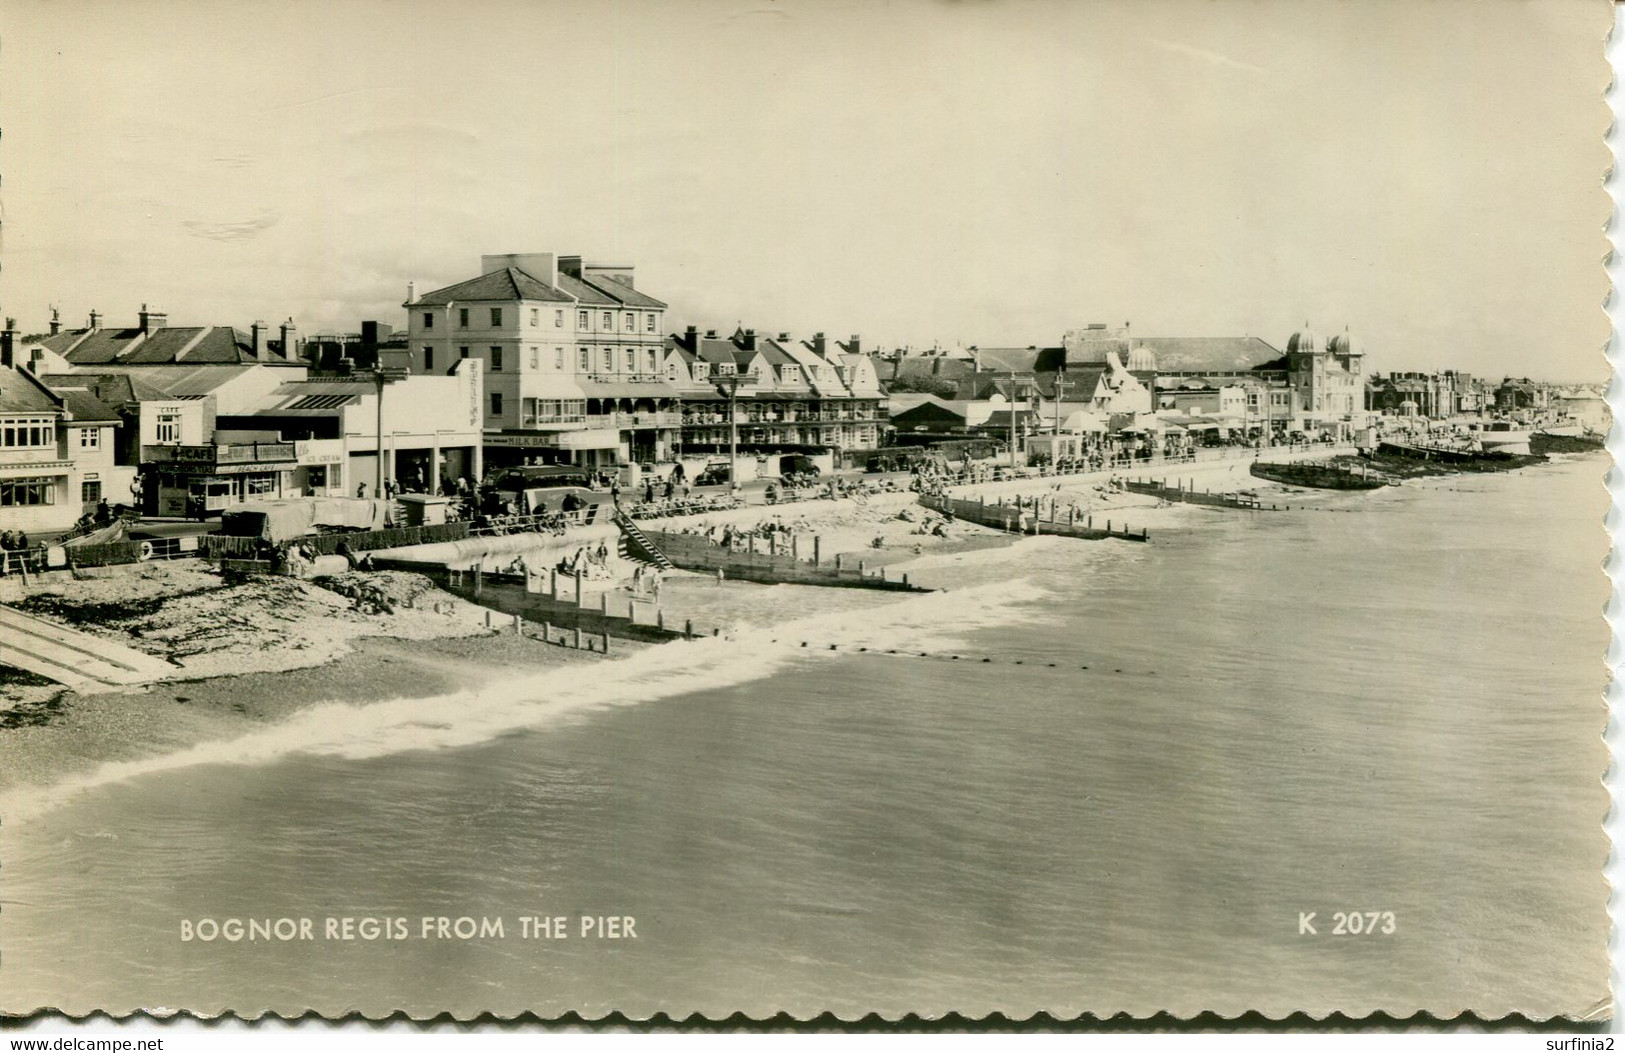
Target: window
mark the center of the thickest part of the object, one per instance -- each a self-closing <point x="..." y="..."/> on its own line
<point x="584" y="364"/>
<point x="462" y="318"/>
<point x="631" y="361"/>
<point x="581" y="319"/>
<point x="648" y="323"/>
<point x="15" y="492"/>
<point x="90" y="492"/>
<point x="428" y="359"/>
<point x="496" y="317"/>
<point x="535" y="359"/>
<point x="496" y="403"/>
<point x="654" y="361"/>
<point x="254" y="485"/>
<point x="316" y="477"/>
<point x="609" y="360"/>
<point x="169" y="427"/>
<point x="535" y="316"/>
<point x="558" y="358"/>
<point x="671" y="371"/>
<point x="90" y="438"/>
<point x="609" y="319"/>
<point x="496" y="360"/>
<point x="631" y="321"/>
<point x="428" y="319"/>
<point x="558" y="319"/>
<point x="462" y="352"/>
<point x="28" y="431"/>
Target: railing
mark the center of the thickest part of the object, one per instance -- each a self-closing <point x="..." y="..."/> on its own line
<point x="532" y="420"/>
<point x="656" y="419"/>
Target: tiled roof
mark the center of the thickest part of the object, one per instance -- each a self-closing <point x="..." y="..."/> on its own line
<point x="83" y="406"/>
<point x="509" y="283"/>
<point x="1019" y="359"/>
<point x="115" y="389"/>
<point x="1203" y="354"/>
<point x="97" y="346"/>
<point x="586" y="293"/>
<point x="183" y="380"/>
<point x="21" y="392"/>
<point x="622" y="292"/>
<point x="219" y="345"/>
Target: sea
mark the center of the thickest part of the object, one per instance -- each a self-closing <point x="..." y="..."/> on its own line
<point x="1087" y="777"/>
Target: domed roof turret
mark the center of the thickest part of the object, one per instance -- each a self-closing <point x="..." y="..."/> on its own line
<point x="1306" y="340"/>
<point x="1344" y="343"/>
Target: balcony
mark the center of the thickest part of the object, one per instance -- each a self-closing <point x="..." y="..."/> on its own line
<point x="550" y="421"/>
<point x="654" y="419"/>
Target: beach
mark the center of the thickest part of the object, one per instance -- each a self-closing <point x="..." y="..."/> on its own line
<point x="292" y="645"/>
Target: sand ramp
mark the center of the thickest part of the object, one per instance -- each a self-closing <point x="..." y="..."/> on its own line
<point x="73" y="658"/>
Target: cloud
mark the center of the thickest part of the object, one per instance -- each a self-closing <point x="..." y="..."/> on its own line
<point x="232" y="231"/>
<point x="1209" y="56"/>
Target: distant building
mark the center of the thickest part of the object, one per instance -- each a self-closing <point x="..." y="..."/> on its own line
<point x="154" y="342"/>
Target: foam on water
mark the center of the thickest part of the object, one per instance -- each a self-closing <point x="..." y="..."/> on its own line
<point x="463" y="718"/>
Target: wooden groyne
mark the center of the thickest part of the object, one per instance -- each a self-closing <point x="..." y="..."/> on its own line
<point x="568" y="609"/>
<point x="790" y="563"/>
<point x="1179" y="493"/>
<point x="1031" y="515"/>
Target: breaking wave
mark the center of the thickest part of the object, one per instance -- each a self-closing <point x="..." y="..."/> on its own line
<point x="354" y="731"/>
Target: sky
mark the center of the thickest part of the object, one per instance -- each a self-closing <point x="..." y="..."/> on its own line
<point x="1424" y="173"/>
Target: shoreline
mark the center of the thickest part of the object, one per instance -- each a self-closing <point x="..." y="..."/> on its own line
<point x="54" y="733"/>
<point x="84" y="732"/>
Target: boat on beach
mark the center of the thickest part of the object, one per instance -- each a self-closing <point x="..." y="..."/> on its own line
<point x="1504" y="436"/>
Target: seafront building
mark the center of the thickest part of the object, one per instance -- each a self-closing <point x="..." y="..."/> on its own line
<point x="792" y="399"/>
<point x="59" y="454"/>
<point x="572" y="358"/>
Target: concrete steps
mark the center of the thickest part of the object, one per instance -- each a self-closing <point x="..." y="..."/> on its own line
<point x="72" y="658"/>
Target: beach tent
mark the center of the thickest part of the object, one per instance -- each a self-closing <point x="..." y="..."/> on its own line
<point x="1084" y="421"/>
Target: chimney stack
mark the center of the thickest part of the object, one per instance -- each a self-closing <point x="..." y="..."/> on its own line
<point x="749" y="343"/>
<point x="411" y="292"/>
<point x="7" y="336"/>
<point x="151" y="320"/>
<point x="257" y="339"/>
<point x="56" y="321"/>
<point x="856" y="346"/>
<point x="710" y="334"/>
<point x="691" y="338"/>
<point x="95" y="319"/>
<point x="289" y="333"/>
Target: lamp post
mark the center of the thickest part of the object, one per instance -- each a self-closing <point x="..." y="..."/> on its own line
<point x="382" y="376"/>
<point x="731" y="383"/>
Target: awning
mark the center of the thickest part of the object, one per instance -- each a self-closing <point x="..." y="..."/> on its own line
<point x="626" y="389"/>
<point x="552" y="386"/>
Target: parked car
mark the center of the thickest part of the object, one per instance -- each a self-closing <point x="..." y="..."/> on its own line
<point x="713" y="475"/>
